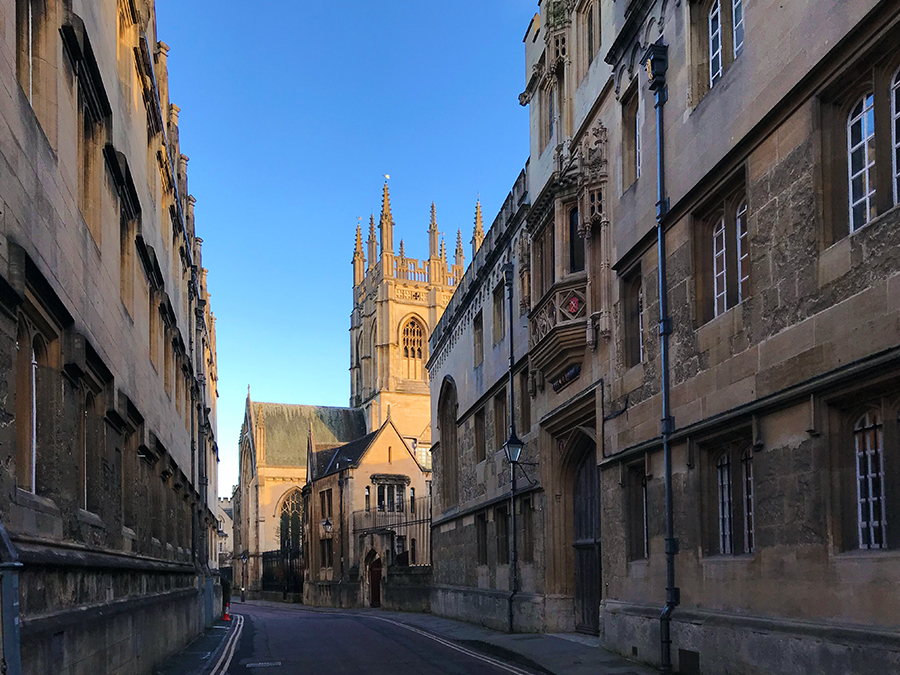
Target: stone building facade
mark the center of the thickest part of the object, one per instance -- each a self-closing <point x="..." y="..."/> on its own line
<point x="780" y="224"/>
<point x="107" y="349"/>
<point x="397" y="300"/>
<point x="368" y="508"/>
<point x="274" y="444"/>
<point x="224" y="535"/>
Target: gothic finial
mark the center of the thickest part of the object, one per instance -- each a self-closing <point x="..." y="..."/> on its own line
<point x="443" y="250"/>
<point x="460" y="257"/>
<point x="433" y="235"/>
<point x="372" y="242"/>
<point x="387" y="222"/>
<point x="402" y="251"/>
<point x="359" y="246"/>
<point x="478" y="233"/>
<point x="386" y="203"/>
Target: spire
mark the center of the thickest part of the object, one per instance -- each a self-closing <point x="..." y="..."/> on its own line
<point x="402" y="253"/>
<point x="433" y="234"/>
<point x="359" y="261"/>
<point x="387" y="222"/>
<point x="460" y="257"/>
<point x="359" y="249"/>
<point x="372" y="242"/>
<point x="478" y="233"/>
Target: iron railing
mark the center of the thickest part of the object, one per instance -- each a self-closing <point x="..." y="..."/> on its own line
<point x="409" y="529"/>
<point x="283" y="570"/>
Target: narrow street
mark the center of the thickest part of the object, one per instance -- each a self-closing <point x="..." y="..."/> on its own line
<point x="273" y="641"/>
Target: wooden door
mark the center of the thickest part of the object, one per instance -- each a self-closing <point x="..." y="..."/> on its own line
<point x="587" y="546"/>
<point x="375" y="583"/>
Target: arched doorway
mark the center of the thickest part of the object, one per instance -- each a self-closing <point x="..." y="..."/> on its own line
<point x="586" y="521"/>
<point x="375" y="583"/>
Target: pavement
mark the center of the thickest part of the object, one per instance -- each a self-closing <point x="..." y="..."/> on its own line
<point x="285" y="638"/>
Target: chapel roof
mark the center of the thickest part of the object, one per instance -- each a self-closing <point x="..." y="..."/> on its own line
<point x="287" y="429"/>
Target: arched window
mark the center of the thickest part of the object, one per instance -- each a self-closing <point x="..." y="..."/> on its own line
<point x="868" y="435"/>
<point x="737" y="21"/>
<point x="32" y="410"/>
<point x="895" y="116"/>
<point x="861" y="161"/>
<point x="743" y="252"/>
<point x="368" y="499"/>
<point x="723" y="482"/>
<point x="720" y="268"/>
<point x="715" y="42"/>
<point x="292" y="522"/>
<point x="412" y="349"/>
<point x="447" y="409"/>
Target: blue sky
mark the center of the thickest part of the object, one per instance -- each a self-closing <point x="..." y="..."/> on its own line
<point x="291" y="113"/>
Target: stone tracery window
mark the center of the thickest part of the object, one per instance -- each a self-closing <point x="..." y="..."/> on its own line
<point x="412" y="349"/>
<point x="292" y="521"/>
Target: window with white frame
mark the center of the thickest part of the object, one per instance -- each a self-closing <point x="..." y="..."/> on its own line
<point x="720" y="268"/>
<point x="737" y="32"/>
<point x="631" y="142"/>
<point x="861" y="161"/>
<point x="715" y="42"/>
<point x="731" y="522"/>
<point x="895" y="110"/>
<point x="743" y="252"/>
<point x="720" y="29"/>
<point x="723" y="484"/>
<point x="749" y="505"/>
<point x="724" y="263"/>
<point x="868" y="435"/>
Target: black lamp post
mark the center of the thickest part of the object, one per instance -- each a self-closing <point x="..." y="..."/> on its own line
<point x="513" y="449"/>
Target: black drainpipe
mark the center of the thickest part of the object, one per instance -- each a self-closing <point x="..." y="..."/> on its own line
<point x="656" y="63"/>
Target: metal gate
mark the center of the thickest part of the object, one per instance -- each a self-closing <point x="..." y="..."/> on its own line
<point x="282" y="571"/>
<point x="587" y="547"/>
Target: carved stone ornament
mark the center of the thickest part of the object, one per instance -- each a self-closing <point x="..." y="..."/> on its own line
<point x="594" y="154"/>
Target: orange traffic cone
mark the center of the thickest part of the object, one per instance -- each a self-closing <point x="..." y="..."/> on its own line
<point x="227" y="616"/>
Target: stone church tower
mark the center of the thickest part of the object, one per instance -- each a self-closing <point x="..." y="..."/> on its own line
<point x="397" y="301"/>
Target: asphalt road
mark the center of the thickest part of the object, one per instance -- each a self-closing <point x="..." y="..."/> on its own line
<point x="275" y="641"/>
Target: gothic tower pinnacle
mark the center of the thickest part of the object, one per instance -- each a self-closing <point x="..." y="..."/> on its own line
<point x="372" y="242"/>
<point x="478" y="233"/>
<point x="387" y="223"/>
<point x="359" y="261"/>
<point x="460" y="257"/>
<point x="433" y="235"/>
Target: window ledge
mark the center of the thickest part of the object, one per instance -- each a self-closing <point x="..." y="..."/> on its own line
<point x="866" y="554"/>
<point x="36" y="502"/>
<point x="91" y="518"/>
<point x="725" y="559"/>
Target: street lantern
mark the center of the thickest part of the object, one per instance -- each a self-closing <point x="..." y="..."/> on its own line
<point x="327" y="525"/>
<point x="513" y="448"/>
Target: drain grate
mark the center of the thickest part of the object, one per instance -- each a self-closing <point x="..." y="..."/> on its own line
<point x="266" y="664"/>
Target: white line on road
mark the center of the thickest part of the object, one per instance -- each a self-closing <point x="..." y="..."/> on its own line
<point x="463" y="650"/>
<point x="228" y="653"/>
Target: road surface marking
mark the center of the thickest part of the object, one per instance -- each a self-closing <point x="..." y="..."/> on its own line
<point x="481" y="657"/>
<point x="228" y="653"/>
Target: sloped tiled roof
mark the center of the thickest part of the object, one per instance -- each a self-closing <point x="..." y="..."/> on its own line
<point x="287" y="429"/>
<point x="349" y="454"/>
